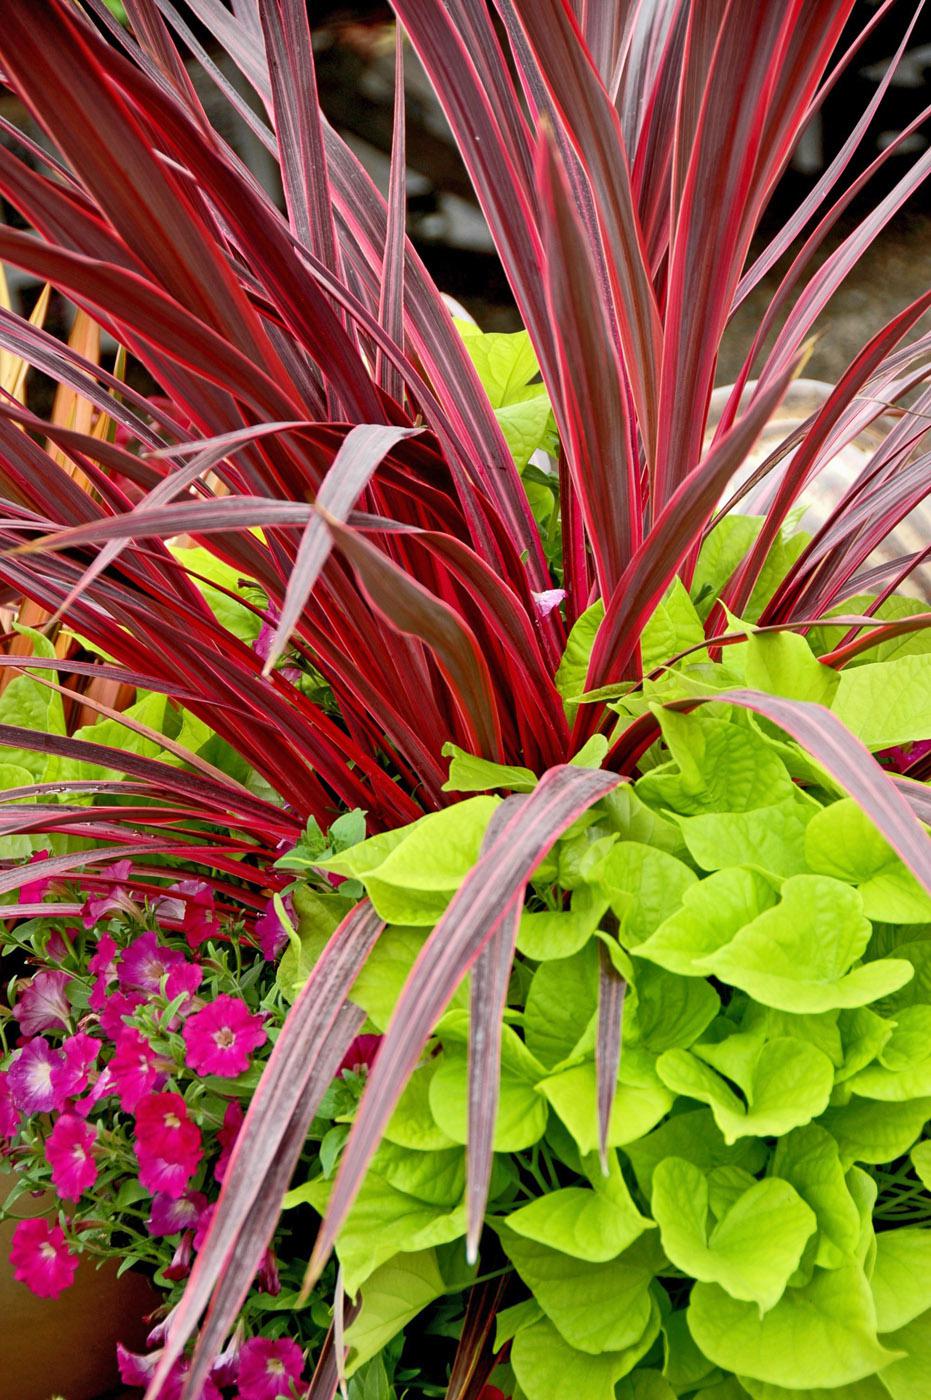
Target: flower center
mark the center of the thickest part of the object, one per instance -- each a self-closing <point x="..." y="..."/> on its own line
<point x="47" y="1250"/>
<point x="172" y="1120"/>
<point x="224" y="1038"/>
<point x="275" y="1367"/>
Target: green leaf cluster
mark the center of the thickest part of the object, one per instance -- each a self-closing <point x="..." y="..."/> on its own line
<point x="775" y="1072"/>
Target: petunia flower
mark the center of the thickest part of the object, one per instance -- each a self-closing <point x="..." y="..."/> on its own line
<point x="180" y="1265"/>
<point x="198" y="919"/>
<point x="137" y="1369"/>
<point x="100" y="1089"/>
<point x="103" y="966"/>
<point x="168" y="1144"/>
<point x="203" y="1224"/>
<point x="549" y="599"/>
<point x="269" y="1370"/>
<point x="270" y="931"/>
<point x="219" y="1038"/>
<point x="158" y="1173"/>
<point x="9" y="1117"/>
<point x="41" y="1258"/>
<point x="110" y="895"/>
<point x="168" y="1216"/>
<point x="145" y="962"/>
<point x="267" y="1279"/>
<point x="226" y="1366"/>
<point x="30" y="1077"/>
<point x="43" y="1004"/>
<point x="34" y="891"/>
<point x="57" y="947"/>
<point x="135" y="1068"/>
<point x="69" y="1152"/>
<point x="185" y="977"/>
<point x="70" y="1075"/>
<point x="117" y="1007"/>
<point x="227" y="1135"/>
<point x="361" y="1053"/>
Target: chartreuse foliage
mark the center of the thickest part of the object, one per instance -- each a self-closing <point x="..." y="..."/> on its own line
<point x="775" y="1073"/>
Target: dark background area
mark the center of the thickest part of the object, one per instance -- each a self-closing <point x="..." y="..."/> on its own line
<point x="354" y="53"/>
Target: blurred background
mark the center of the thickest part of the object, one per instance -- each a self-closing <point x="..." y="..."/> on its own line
<point x="354" y="50"/>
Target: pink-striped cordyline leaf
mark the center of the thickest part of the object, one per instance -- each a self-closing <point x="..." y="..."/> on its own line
<point x="487" y="999"/>
<point x="476" y="912"/>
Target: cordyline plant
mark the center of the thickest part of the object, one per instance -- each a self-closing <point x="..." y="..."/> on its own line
<point x="324" y="429"/>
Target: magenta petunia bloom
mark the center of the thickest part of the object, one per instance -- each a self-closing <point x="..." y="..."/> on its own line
<point x="270" y="931"/>
<point x="118" y="1006"/>
<point x="361" y="1053"/>
<point x="269" y="1370"/>
<point x="41" y="1258"/>
<point x="195" y="911"/>
<point x="203" y="1225"/>
<point x="58" y="948"/>
<point x="103" y="966"/>
<point x="160" y="1174"/>
<point x="267" y="1279"/>
<point x="227" y="1135"/>
<point x="71" y="1074"/>
<point x="168" y="1145"/>
<point x="135" y="1069"/>
<point x="137" y="1368"/>
<point x="180" y="1264"/>
<point x="9" y="1117"/>
<point x="145" y="962"/>
<point x="100" y="1089"/>
<point x="109" y="895"/>
<point x="34" y="891"/>
<point x="169" y="1216"/>
<point x="43" y="1004"/>
<point x="30" y="1077"/>
<point x="220" y="1037"/>
<point x="186" y="977"/>
<point x="69" y="1152"/>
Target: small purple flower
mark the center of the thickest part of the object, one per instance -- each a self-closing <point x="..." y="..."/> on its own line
<point x="361" y="1053"/>
<point x="549" y="599"/>
<point x="168" y="1216"/>
<point x="109" y="895"/>
<point x="270" y="931"/>
<point x="43" y="1004"/>
<point x="103" y="967"/>
<point x="180" y="1265"/>
<point x="145" y="962"/>
<point x="70" y="1075"/>
<point x="227" y="1135"/>
<point x="9" y="1117"/>
<point x="30" y="1077"/>
<point x="34" y="891"/>
<point x="101" y="1088"/>
<point x="57" y="947"/>
<point x="267" y="1280"/>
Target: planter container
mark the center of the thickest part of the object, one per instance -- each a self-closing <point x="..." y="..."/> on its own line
<point x="66" y="1346"/>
